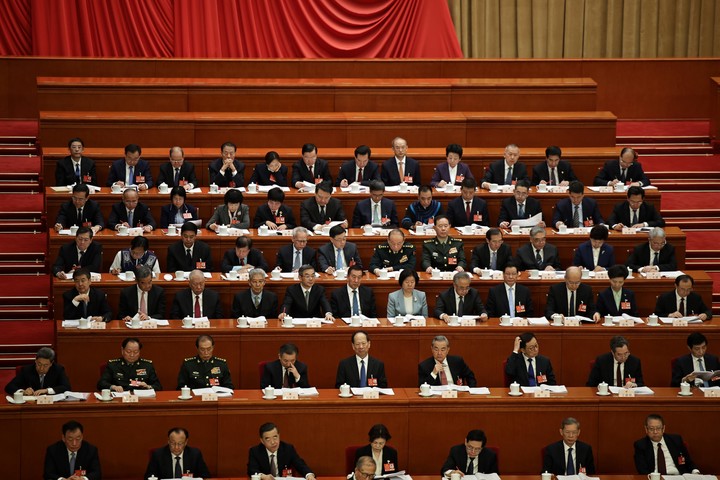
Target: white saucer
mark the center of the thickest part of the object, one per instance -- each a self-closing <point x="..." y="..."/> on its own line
<point x="191" y="326"/>
<point x="275" y="279"/>
<point x="17" y="403"/>
<point x="185" y="398"/>
<point x="288" y="326"/>
<point x="167" y="277"/>
<point x="178" y="279"/>
<point x="240" y="326"/>
<point x="656" y="325"/>
<point x="345" y="396"/>
<point x="689" y="394"/>
<point x="84" y="328"/>
<point x="369" y="234"/>
<point x="101" y="399"/>
<point x="123" y="234"/>
<point x="603" y="394"/>
<point x="133" y="328"/>
<point x="172" y="234"/>
<point x="518" y="394"/>
<point x="604" y="325"/>
<point x="425" y="396"/>
<point x="265" y="397"/>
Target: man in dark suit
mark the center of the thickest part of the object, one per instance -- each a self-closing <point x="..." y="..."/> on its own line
<point x="538" y="254"/>
<point x="673" y="450"/>
<point x="226" y="171"/>
<point x="131" y="170"/>
<point x="361" y="370"/>
<point x="468" y="209"/>
<point x="569" y="456"/>
<point x="617" y="367"/>
<point x="75" y="168"/>
<point x="310" y="169"/>
<point x="452" y="171"/>
<point x="509" y="297"/>
<point x="377" y="210"/>
<point x="595" y="254"/>
<point x="460" y="299"/>
<point x="507" y="171"/>
<point x="616" y="299"/>
<point x="526" y="366"/>
<point x="177" y="458"/>
<point x="273" y="458"/>
<point x="255" y="301"/>
<point x="80" y="211"/>
<point x="635" y="212"/>
<point x="275" y="214"/>
<point x="577" y="210"/>
<point x="400" y="168"/>
<point x="43" y="377"/>
<point x="291" y="257"/>
<point x="654" y="256"/>
<point x="305" y="299"/>
<point x="83" y="301"/>
<point x="682" y="301"/>
<point x="71" y="457"/>
<point x="83" y="252"/>
<point x="493" y="254"/>
<point x="698" y="360"/>
<point x="519" y="206"/>
<point x="625" y="171"/>
<point x="553" y="171"/>
<point x="177" y="172"/>
<point x="353" y="299"/>
<point x="571" y="297"/>
<point x="243" y="257"/>
<point x="471" y="458"/>
<point x="287" y="371"/>
<point x="189" y="253"/>
<point x="321" y="209"/>
<point x="361" y="170"/>
<point x="196" y="301"/>
<point x="444" y="369"/>
<point x="338" y="247"/>
<point x="131" y="213"/>
<point x="145" y="299"/>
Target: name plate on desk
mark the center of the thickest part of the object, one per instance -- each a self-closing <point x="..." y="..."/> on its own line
<point x="316" y="323"/>
<point x="44" y="400"/>
<point x="364" y="324"/>
<point x="371" y="394"/>
<point x="653" y="275"/>
<point x="497" y="275"/>
<point x="680" y="322"/>
<point x="542" y="394"/>
<point x="629" y="231"/>
<point x="97" y="325"/>
<point x="449" y="394"/>
<point x="290" y="395"/>
<point x="626" y="392"/>
<point x="209" y="397"/>
<point x="571" y="322"/>
<point x="256" y="324"/>
<point x="605" y="189"/>
<point x="601" y="275"/>
<point x="626" y="322"/>
<point x="130" y="399"/>
<point x="467" y="322"/>
<point x="202" y="323"/>
<point x="547" y="275"/>
<point x="148" y="324"/>
<point x="582" y="231"/>
<point x="520" y="322"/>
<point x="712" y="393"/>
<point x="418" y="322"/>
<point x="244" y="276"/>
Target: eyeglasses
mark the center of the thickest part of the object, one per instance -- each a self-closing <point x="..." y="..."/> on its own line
<point x="368" y="476"/>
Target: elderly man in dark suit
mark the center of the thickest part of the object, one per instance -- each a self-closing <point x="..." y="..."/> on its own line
<point x="444" y="369"/>
<point x="507" y="171"/>
<point x="553" y="171"/>
<point x="509" y="297"/>
<point x="452" y="171"/>
<point x="519" y="207"/>
<point x="83" y="252"/>
<point x="306" y="299"/>
<point x="43" y="377"/>
<point x="75" y="168"/>
<point x="460" y="299"/>
<point x="654" y="256"/>
<point x="577" y="210"/>
<point x="526" y="366"/>
<point x="273" y="457"/>
<point x="617" y="367"/>
<point x="569" y="456"/>
<point x="635" y="212"/>
<point x="471" y="458"/>
<point x="131" y="170"/>
<point x="131" y="213"/>
<point x="571" y="297"/>
<point x="291" y="257"/>
<point x="255" y="301"/>
<point x="145" y="299"/>
<point x="310" y="169"/>
<point x="321" y="209"/>
<point x="360" y="170"/>
<point x="80" y="211"/>
<point x="227" y="171"/>
<point x="71" y="457"/>
<point x="674" y="457"/>
<point x="538" y="254"/>
<point x="196" y="301"/>
<point x="177" y="458"/>
<point x="685" y="368"/>
<point x="682" y="301"/>
<point x="287" y="371"/>
<point x="84" y="301"/>
<point x="400" y="168"/>
<point x="626" y="171"/>
<point x="177" y="172"/>
<point x="493" y="254"/>
<point x="353" y="298"/>
<point x="361" y="370"/>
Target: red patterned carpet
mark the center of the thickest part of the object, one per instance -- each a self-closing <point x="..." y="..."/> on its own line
<point x="657" y="128"/>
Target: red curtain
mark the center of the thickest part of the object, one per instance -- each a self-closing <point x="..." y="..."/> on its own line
<point x="228" y="28"/>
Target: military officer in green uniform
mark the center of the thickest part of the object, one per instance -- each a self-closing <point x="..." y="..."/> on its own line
<point x="443" y="252"/>
<point x="204" y="369"/>
<point x="130" y="372"/>
<point x="394" y="254"/>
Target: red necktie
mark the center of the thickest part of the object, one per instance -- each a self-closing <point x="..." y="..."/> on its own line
<point x="359" y="178"/>
<point x="198" y="314"/>
<point x="286" y="379"/>
<point x="443" y="377"/>
<point x="662" y="468"/>
<point x="467" y="210"/>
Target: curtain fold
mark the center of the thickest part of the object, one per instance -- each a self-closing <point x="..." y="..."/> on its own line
<point x="15" y="31"/>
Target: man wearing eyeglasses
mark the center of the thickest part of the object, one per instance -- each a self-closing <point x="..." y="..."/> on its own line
<point x="471" y="458"/>
<point x="617" y="367"/>
<point x="305" y="299"/>
<point x="572" y="297"/>
<point x="654" y="256"/>
<point x="662" y="452"/>
<point x="682" y="301"/>
<point x="177" y="459"/>
<point x="364" y="469"/>
<point x="44" y="377"/>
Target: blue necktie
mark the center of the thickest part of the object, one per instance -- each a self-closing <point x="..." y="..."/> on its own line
<point x="355" y="306"/>
<point x="532" y="381"/>
<point x="702" y="368"/>
<point x="131" y="176"/>
<point x="339" y="260"/>
<point x="130" y="218"/>
<point x="77" y="172"/>
<point x="73" y="456"/>
<point x="570" y="468"/>
<point x="521" y="210"/>
<point x="493" y="260"/>
<point x="511" y="302"/>
<point x="508" y="177"/>
<point x="363" y="374"/>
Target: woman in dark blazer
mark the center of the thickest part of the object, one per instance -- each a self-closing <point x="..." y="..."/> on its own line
<point x="385" y="456"/>
<point x="272" y="172"/>
<point x="178" y="211"/>
<point x="233" y="213"/>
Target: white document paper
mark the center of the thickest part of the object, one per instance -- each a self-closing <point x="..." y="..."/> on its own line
<point x="360" y="390"/>
<point x="302" y="392"/>
<point x="483" y="476"/>
<point x="479" y="391"/>
<point x="70" y="323"/>
<point x="267" y="188"/>
<point x="669" y="320"/>
<point x="399" y="475"/>
<point x="221" y="391"/>
<point x="145" y="392"/>
<point x="627" y="317"/>
<point x="438" y="389"/>
<point x="304" y="321"/>
<point x="638" y="390"/>
<point x="550" y="388"/>
<point x="538" y="321"/>
<point x="363" y="318"/>
<point x="581" y="319"/>
<point x="528" y="222"/>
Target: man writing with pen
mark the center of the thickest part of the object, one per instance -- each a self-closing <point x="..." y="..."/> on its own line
<point x="471" y="458"/>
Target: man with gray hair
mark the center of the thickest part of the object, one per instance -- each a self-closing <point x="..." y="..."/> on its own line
<point x="196" y="301"/>
<point x="364" y="469"/>
<point x="538" y="254"/>
<point x="43" y="377"/>
<point x="460" y="299"/>
<point x="444" y="369"/>
<point x="569" y="456"/>
<point x="255" y="301"/>
<point x="145" y="299"/>
<point x="617" y="367"/>
<point x="291" y="257"/>
<point x="507" y="171"/>
<point x="654" y="256"/>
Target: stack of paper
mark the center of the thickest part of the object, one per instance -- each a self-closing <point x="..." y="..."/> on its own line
<point x="221" y="391"/>
<point x="361" y="390"/>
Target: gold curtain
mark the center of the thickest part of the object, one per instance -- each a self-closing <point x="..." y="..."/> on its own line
<point x="587" y="28"/>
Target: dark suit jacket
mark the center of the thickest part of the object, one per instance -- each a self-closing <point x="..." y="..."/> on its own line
<point x="640" y="257"/>
<point x="603" y="370"/>
<point x="310" y="212"/>
<point x="456" y="212"/>
<point x="142" y="169"/>
<point x="694" y="305"/>
<point x="273" y="375"/>
<point x="645" y="453"/>
<point x="555" y="459"/>
<point x="243" y="305"/>
<point x="28" y="377"/>
<point x="371" y="171"/>
<point x="606" y="303"/>
<point x="481" y="256"/>
<point x="141" y="216"/>
<point x="284" y="258"/>
<point x="590" y="212"/>
<point x="495" y="173"/>
<point x="98" y="306"/>
<point x="391" y="176"/>
<point x="286" y="457"/>
<point x="294" y="304"/>
<point x="57" y="461"/>
<point x="497" y="302"/>
<point x="168" y="212"/>
<point x="647" y="213"/>
<point x="261" y="175"/>
<point x="347" y="372"/>
<point x="509" y="209"/>
<point x="227" y="180"/>
<point x="91" y="215"/>
<point x="65" y="172"/>
<point x="611" y="171"/>
<point x="442" y="172"/>
<point x="341" y="306"/>
<point x="263" y="214"/>
<point x="525" y="257"/>
<point x="389" y="457"/>
<point x="187" y="174"/>
<point x="563" y="172"/>
<point x="584" y="256"/>
<point x="162" y="464"/>
<point x="458" y="459"/>
<point x="231" y="260"/>
<point x="326" y="255"/>
<point x="301" y="173"/>
<point x="446" y="303"/>
<point x="557" y="300"/>
<point x="517" y="371"/>
<point x="68" y="258"/>
<point x="129" y="302"/>
<point x="177" y="259"/>
<point x="184" y="304"/>
<point x="461" y="373"/>
<point x="683" y="366"/>
<point x="363" y="214"/>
